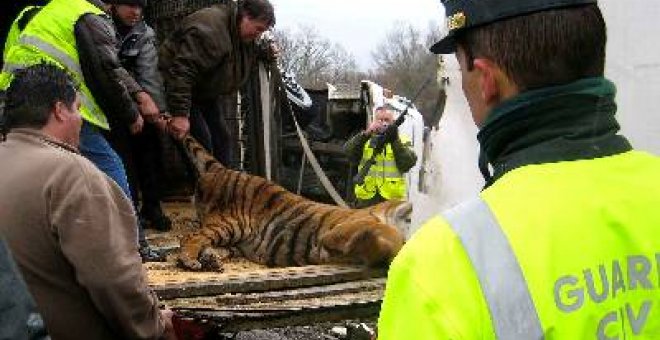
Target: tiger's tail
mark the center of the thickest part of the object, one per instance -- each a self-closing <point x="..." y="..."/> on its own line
<point x="201" y="159"/>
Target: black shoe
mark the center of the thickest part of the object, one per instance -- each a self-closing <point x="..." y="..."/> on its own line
<point x="150" y="255"/>
<point x="158" y="221"/>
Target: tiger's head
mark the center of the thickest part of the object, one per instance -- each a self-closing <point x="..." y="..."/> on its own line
<point x="393" y="212"/>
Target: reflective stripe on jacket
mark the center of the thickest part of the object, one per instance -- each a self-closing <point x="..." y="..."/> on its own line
<point x="383" y="177"/>
<point x="565" y="250"/>
<point x="49" y="37"/>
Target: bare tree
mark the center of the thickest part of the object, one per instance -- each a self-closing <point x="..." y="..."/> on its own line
<point x="404" y="62"/>
<point x="314" y="60"/>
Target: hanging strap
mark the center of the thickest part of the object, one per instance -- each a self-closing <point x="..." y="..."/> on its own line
<point x="305" y="145"/>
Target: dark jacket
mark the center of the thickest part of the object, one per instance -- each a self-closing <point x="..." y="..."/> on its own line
<point x="111" y="85"/>
<point x="404" y="156"/>
<point x="205" y="58"/>
<point x="18" y="314"/>
<point x="139" y="56"/>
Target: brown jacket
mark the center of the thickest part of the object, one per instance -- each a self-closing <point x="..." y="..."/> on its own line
<point x="72" y="233"/>
<point x="204" y="58"/>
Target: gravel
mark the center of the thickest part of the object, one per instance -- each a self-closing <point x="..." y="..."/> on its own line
<point x="321" y="331"/>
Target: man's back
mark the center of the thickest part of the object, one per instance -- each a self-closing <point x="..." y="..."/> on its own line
<point x="582" y="234"/>
<point x="56" y="209"/>
<point x="207" y="47"/>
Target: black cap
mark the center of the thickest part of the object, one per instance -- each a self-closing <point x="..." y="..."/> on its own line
<point x="464" y="14"/>
<point x="142" y="3"/>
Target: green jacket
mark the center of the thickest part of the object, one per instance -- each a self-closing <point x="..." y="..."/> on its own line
<point x="385" y="177"/>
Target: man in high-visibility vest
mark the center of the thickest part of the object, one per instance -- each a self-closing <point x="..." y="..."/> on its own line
<point x="385" y="179"/>
<point x="562" y="243"/>
<point x="79" y="37"/>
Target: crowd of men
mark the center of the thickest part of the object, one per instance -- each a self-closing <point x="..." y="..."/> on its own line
<point x="86" y="93"/>
<point x="558" y="245"/>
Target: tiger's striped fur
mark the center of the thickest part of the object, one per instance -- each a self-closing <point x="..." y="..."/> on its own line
<point x="267" y="224"/>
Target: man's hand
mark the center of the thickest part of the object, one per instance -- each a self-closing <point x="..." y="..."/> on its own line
<point x="166" y="315"/>
<point x="178" y="126"/>
<point x="147" y="106"/>
<point x="375" y="127"/>
<point x="137" y="125"/>
<point x="162" y="121"/>
<point x="269" y="48"/>
<point x="273" y="50"/>
<point x="391" y="133"/>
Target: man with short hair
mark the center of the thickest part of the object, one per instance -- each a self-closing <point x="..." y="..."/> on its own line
<point x="70" y="227"/>
<point x="561" y="243"/>
<point x="211" y="54"/>
<point x="142" y="153"/>
<point x="385" y="179"/>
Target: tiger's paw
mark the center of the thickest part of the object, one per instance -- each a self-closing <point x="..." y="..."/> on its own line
<point x="211" y="261"/>
<point x="190" y="264"/>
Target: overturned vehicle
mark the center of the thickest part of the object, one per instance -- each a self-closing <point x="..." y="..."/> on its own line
<point x="271" y="144"/>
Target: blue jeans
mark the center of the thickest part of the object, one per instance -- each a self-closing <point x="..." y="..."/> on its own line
<point x="97" y="149"/>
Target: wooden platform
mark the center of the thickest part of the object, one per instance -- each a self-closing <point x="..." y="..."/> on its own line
<point x="251" y="296"/>
<point x="277" y="297"/>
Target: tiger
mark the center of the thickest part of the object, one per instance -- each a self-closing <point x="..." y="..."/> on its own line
<point x="263" y="222"/>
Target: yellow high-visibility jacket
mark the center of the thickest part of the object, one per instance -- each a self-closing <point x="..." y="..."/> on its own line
<point x="49" y="37"/>
<point x="564" y="250"/>
<point x="383" y="177"/>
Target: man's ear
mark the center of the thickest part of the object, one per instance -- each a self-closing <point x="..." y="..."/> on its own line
<point x="59" y="111"/>
<point x="489" y="83"/>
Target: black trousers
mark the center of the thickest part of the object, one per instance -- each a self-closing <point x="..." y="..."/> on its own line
<point x="142" y="155"/>
<point x="208" y="125"/>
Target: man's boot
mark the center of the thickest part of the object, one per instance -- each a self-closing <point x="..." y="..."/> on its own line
<point x="150" y="255"/>
<point x="154" y="218"/>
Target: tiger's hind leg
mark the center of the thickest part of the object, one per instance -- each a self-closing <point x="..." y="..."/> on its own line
<point x="361" y="240"/>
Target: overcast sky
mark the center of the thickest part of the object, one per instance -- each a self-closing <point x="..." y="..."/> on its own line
<point x="358" y="25"/>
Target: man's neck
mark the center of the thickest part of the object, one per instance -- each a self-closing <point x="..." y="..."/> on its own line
<point x="570" y="122"/>
<point x="57" y="134"/>
<point x="122" y="29"/>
